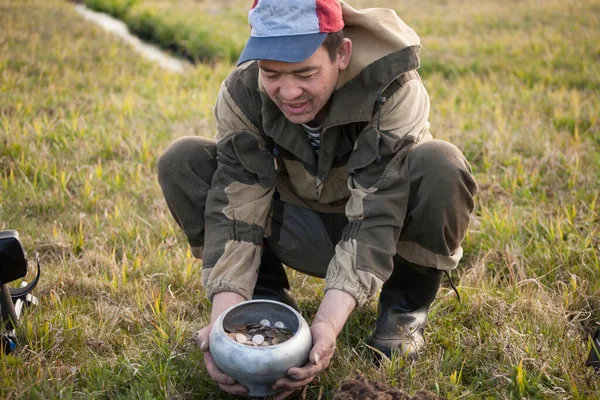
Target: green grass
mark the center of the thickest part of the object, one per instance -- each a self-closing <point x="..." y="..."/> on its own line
<point x="83" y="119"/>
<point x="196" y="30"/>
<point x="116" y="8"/>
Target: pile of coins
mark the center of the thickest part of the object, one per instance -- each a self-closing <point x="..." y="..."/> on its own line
<point x="259" y="334"/>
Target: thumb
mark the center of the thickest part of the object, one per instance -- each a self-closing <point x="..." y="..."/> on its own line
<point x="316" y="358"/>
<point x="322" y="348"/>
<point x="317" y="353"/>
<point x="202" y="339"/>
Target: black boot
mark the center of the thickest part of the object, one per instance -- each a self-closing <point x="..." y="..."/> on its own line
<point x="403" y="306"/>
<point x="272" y="283"/>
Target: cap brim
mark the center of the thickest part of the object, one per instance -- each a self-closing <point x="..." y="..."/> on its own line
<point x="291" y="49"/>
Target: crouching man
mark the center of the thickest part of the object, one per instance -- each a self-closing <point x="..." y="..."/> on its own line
<point x="323" y="161"/>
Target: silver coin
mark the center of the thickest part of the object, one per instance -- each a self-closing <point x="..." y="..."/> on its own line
<point x="265" y="322"/>
<point x="258" y="339"/>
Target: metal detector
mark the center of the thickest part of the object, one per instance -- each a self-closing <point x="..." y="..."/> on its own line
<point x="593" y="359"/>
<point x="13" y="265"/>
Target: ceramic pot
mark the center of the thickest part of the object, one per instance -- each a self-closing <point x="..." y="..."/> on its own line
<point x="258" y="368"/>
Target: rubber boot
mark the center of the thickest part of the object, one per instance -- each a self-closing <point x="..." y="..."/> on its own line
<point x="272" y="282"/>
<point x="403" y="307"/>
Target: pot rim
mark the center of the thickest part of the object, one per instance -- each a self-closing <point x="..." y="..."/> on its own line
<point x="221" y="329"/>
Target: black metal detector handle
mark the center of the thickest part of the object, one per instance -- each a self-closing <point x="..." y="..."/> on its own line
<point x="21" y="293"/>
<point x="593" y="359"/>
<point x="9" y="296"/>
<point x="8" y="315"/>
<point x="13" y="265"/>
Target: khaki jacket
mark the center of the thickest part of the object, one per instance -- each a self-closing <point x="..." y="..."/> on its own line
<point x="378" y="111"/>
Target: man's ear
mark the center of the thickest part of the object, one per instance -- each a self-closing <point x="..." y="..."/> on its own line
<point x="343" y="54"/>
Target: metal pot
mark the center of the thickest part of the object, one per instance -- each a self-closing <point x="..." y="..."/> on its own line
<point x="258" y="368"/>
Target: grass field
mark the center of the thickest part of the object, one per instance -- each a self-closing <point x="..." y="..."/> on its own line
<point x="514" y="84"/>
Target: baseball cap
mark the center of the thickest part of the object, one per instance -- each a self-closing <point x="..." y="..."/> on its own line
<point x="290" y="30"/>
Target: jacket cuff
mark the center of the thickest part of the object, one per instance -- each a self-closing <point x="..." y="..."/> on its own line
<point x="219" y="286"/>
<point x="352" y="288"/>
<point x="342" y="274"/>
<point x="235" y="271"/>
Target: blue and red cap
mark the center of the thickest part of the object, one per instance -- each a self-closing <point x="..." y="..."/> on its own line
<point x="290" y="30"/>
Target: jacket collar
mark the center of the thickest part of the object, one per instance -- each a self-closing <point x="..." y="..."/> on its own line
<point x="351" y="103"/>
<point x="355" y="101"/>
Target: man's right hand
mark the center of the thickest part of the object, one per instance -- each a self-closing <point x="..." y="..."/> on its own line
<point x="226" y="383"/>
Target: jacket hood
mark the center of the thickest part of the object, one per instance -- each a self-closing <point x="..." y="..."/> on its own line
<point x="375" y="33"/>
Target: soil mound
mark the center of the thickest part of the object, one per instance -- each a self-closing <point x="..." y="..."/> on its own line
<point x="360" y="388"/>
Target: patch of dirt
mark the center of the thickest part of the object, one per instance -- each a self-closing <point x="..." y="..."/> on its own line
<point x="360" y="388"/>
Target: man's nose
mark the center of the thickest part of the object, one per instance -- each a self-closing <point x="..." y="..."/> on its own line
<point x="289" y="89"/>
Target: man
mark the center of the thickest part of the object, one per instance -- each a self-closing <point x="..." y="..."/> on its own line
<point x="324" y="162"/>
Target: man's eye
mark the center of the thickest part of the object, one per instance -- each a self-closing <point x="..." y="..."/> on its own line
<point x="305" y="76"/>
<point x="274" y="76"/>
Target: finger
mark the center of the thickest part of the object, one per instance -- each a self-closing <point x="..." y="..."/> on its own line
<point x="215" y="373"/>
<point x="202" y="339"/>
<point x="237" y="389"/>
<point x="299" y="378"/>
<point x="308" y="370"/>
<point x="283" y="395"/>
<point x="321" y="351"/>
<point x="292" y="384"/>
<point x="315" y="356"/>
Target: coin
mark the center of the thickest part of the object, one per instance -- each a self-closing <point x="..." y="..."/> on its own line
<point x="271" y="333"/>
<point x="258" y="339"/>
<point x="241" y="338"/>
<point x="260" y="334"/>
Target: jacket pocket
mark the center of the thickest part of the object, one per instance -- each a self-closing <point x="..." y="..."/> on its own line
<point x="254" y="159"/>
<point x="365" y="152"/>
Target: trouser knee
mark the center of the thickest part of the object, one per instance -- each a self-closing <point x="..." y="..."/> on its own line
<point x="442" y="168"/>
<point x="440" y="204"/>
<point x="188" y="154"/>
<point x="185" y="172"/>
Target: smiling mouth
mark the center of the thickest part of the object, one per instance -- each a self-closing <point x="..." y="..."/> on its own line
<point x="295" y="108"/>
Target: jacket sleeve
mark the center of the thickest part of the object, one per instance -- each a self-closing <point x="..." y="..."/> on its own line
<point x="379" y="186"/>
<point x="238" y="203"/>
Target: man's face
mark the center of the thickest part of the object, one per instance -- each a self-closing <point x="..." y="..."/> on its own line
<point x="301" y="90"/>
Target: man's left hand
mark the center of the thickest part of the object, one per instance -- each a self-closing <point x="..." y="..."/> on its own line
<point x="324" y="336"/>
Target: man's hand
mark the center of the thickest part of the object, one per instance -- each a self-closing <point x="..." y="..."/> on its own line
<point x="327" y="325"/>
<point x="226" y="383"/>
<point x="221" y="302"/>
<point x="323" y="336"/>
